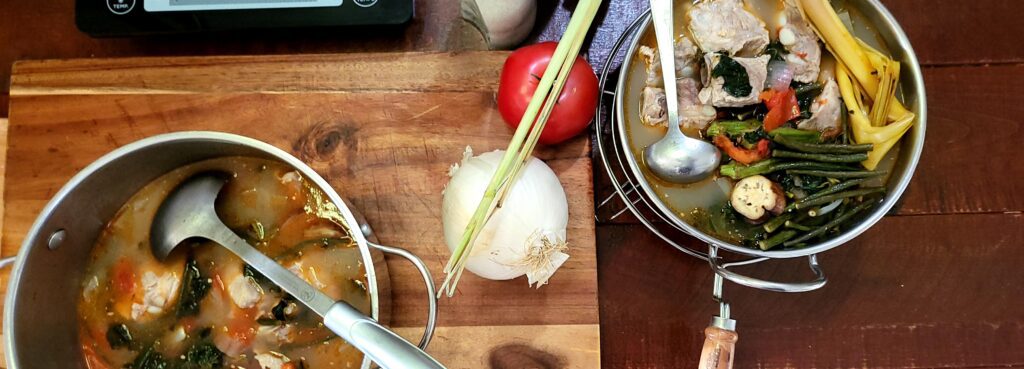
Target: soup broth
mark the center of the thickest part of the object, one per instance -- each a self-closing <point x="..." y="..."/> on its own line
<point x="205" y="308"/>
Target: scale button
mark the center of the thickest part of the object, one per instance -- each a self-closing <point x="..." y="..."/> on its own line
<point x="120" y="6"/>
<point x="365" y="3"/>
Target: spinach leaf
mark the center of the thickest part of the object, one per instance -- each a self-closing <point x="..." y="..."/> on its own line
<point x="737" y="82"/>
<point x="279" y="310"/>
<point x="203" y="355"/>
<point x="193" y="289"/>
<point x="805" y="95"/>
<point x="149" y="359"/>
<point x="776" y="51"/>
<point x="118" y="335"/>
<point x="751" y="138"/>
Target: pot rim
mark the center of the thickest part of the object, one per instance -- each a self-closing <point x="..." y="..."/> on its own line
<point x="911" y="69"/>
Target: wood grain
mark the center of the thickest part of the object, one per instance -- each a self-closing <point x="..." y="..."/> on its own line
<point x="412" y="71"/>
<point x="517" y="347"/>
<point x="914" y="291"/>
<point x="387" y="149"/>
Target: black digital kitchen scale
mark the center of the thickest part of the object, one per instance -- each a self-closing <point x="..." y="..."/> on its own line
<point x="110" y="18"/>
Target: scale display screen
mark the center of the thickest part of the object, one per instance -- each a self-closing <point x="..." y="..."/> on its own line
<point x="192" y="5"/>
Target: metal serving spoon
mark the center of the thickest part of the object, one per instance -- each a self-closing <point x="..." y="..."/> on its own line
<point x="188" y="213"/>
<point x="676" y="157"/>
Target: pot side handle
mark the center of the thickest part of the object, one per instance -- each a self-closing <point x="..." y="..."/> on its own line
<point x="428" y="330"/>
<point x="761" y="284"/>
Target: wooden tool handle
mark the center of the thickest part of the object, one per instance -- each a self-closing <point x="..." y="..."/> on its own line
<point x="719" y="345"/>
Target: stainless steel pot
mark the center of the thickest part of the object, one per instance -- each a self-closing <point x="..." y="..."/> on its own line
<point x="912" y="87"/>
<point x="40" y="317"/>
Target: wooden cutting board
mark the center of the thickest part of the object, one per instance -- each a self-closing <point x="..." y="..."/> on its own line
<point x="383" y="129"/>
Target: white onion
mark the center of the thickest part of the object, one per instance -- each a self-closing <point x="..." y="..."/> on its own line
<point x="780" y="75"/>
<point x="525" y="236"/>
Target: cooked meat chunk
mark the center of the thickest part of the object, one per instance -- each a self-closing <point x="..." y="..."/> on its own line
<point x="272" y="360"/>
<point x="685" y="57"/>
<point x="653" y="106"/>
<point x="826" y="112"/>
<point x="798" y="38"/>
<point x="692" y="113"/>
<point x="280" y="334"/>
<point x="245" y="292"/>
<point x="725" y="26"/>
<point x="159" y="293"/>
<point x="714" y="92"/>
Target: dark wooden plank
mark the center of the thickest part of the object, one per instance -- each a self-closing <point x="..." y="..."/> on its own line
<point x="46" y="30"/>
<point x="915" y="291"/>
<point x="974" y="121"/>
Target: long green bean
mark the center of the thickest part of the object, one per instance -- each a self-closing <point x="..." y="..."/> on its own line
<point x="822" y="148"/>
<point x="838" y="220"/>
<point x="827" y="158"/>
<point x="740" y="171"/>
<point x="797" y="226"/>
<point x="794" y="134"/>
<point x="774" y="224"/>
<point x="802" y="204"/>
<point x="837" y="174"/>
<point x="776" y="239"/>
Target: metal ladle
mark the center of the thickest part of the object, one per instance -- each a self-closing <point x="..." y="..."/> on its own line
<point x="188" y="212"/>
<point x="675" y="158"/>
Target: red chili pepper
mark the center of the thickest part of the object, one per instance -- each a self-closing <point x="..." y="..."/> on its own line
<point x="740" y="154"/>
<point x="782" y="107"/>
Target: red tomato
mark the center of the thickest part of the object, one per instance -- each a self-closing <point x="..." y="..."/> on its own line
<point x="740" y="154"/>
<point x="519" y="79"/>
<point x="123" y="277"/>
<point x="782" y="107"/>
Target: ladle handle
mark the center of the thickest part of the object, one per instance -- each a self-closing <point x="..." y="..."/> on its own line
<point x="661" y="16"/>
<point x="381" y="345"/>
<point x="719" y="345"/>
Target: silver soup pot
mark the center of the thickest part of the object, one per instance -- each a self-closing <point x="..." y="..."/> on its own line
<point x="911" y="85"/>
<point x="41" y="319"/>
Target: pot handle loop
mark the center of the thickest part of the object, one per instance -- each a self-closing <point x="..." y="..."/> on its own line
<point x="722" y="270"/>
<point x="428" y="330"/>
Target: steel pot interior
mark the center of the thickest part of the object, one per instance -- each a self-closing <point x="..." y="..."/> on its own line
<point x="911" y="84"/>
<point x="41" y="319"/>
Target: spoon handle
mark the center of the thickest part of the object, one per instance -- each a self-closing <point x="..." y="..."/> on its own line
<point x="662" y="14"/>
<point x="381" y="345"/>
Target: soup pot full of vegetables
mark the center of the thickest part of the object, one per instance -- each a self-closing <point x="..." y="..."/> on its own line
<point x="817" y="107"/>
<point x="87" y="292"/>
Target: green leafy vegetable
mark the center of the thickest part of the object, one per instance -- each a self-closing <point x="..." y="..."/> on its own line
<point x="776" y="51"/>
<point x="193" y="289"/>
<point x="279" y="310"/>
<point x="732" y="128"/>
<point x="203" y="355"/>
<point x="118" y="335"/>
<point x="737" y="82"/>
<point x="149" y="359"/>
<point x="805" y="95"/>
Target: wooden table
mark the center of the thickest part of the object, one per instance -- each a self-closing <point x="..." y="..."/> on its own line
<point x="939" y="284"/>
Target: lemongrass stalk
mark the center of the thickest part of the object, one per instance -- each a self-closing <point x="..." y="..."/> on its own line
<point x="549" y="106"/>
<point x="503" y="176"/>
<point x="847" y="48"/>
<point x="884" y="138"/>
<point x="839" y="40"/>
<point x="896" y="110"/>
<point x="576" y="42"/>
